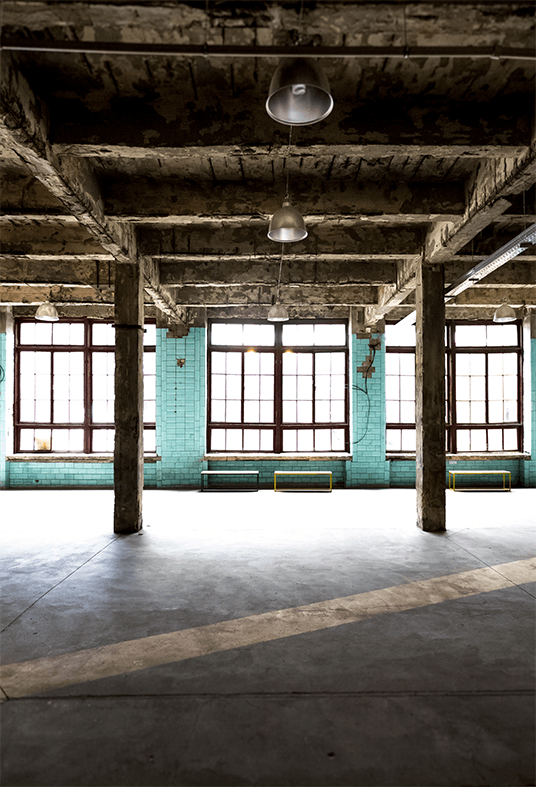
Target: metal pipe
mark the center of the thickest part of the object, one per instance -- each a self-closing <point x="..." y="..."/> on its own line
<point x="209" y="50"/>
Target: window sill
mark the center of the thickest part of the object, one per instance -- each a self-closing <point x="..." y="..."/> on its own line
<point x="230" y="457"/>
<point x="490" y="456"/>
<point x="95" y="458"/>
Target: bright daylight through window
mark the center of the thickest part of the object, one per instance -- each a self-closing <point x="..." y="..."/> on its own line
<point x="278" y="388"/>
<point x="483" y="374"/>
<point x="64" y="387"/>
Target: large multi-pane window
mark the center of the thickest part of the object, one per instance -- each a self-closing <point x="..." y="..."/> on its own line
<point x="482" y="386"/>
<point x="278" y="388"/>
<point x="64" y="389"/>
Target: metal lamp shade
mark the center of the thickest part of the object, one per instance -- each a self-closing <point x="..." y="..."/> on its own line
<point x="277" y="313"/>
<point x="504" y="313"/>
<point x="287" y="225"/>
<point x="47" y="313"/>
<point x="299" y="93"/>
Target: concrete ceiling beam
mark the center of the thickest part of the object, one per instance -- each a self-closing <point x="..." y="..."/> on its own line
<point x="24" y="127"/>
<point x="239" y="201"/>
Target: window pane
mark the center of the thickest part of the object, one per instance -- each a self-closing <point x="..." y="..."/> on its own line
<point x="149" y="412"/>
<point x="233" y="386"/>
<point x="407" y="364"/>
<point x="396" y="336"/>
<point x="305" y="440"/>
<point x="233" y="363"/>
<point x="392" y="387"/>
<point x="258" y="335"/>
<point x="510" y="411"/>
<point x="267" y="440"/>
<point x="233" y="439"/>
<point x="322" y="440"/>
<point x="289" y="412"/>
<point x="149" y="441"/>
<point x="289" y="440"/>
<point x="462" y="437"/>
<point x="463" y="412"/>
<point x="496" y="412"/>
<point x="407" y="412"/>
<point x="394" y="439"/>
<point x="495" y="442"/>
<point x="290" y="387"/>
<point x="218" y="363"/>
<point x="322" y="412"/>
<point x="217" y="442"/>
<point x="326" y="334"/>
<point x="251" y="386"/>
<point x="470" y="335"/>
<point x="337" y="440"/>
<point x="102" y="333"/>
<point x="251" y="412"/>
<point x="251" y="439"/>
<point x="305" y="363"/>
<point x="298" y="335"/>
<point x="392" y="363"/>
<point x="392" y="412"/>
<point x="36" y="333"/>
<point x="227" y="333"/>
<point x="478" y="413"/>
<point x="290" y="363"/>
<point x="67" y="333"/>
<point x="233" y="411"/>
<point x="502" y="335"/>
<point x="267" y="412"/>
<point x="149" y="340"/>
<point x="337" y="412"/>
<point x="305" y="387"/>
<point x="218" y="410"/>
<point x="409" y="439"/>
<point x="510" y="440"/>
<point x="252" y="362"/>
<point x="305" y="412"/>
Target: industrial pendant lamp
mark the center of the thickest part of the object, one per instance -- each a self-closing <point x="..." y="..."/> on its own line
<point x="299" y="93"/>
<point x="277" y="312"/>
<point x="47" y="312"/>
<point x="504" y="313"/>
<point x="287" y="224"/>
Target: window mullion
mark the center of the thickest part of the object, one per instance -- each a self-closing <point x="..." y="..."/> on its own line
<point x="278" y="390"/>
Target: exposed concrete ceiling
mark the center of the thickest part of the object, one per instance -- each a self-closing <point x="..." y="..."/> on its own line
<point x="168" y="155"/>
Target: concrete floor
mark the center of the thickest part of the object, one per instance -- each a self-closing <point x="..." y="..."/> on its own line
<point x="323" y="640"/>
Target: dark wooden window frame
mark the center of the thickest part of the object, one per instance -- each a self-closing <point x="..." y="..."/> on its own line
<point x="452" y="425"/>
<point x="277" y="426"/>
<point x="88" y="349"/>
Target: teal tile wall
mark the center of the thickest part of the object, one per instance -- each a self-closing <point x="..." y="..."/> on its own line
<point x="3" y="414"/>
<point x="180" y="408"/>
<point x="529" y="468"/>
<point x="51" y="474"/>
<point x="180" y="431"/>
<point x="368" y="466"/>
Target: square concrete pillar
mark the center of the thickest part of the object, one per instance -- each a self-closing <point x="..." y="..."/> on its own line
<point x="430" y="397"/>
<point x="128" y="455"/>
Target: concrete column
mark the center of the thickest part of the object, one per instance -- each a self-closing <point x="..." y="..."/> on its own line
<point x="128" y="457"/>
<point x="430" y="397"/>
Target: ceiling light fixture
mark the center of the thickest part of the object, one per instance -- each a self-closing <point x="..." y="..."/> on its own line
<point x="504" y="313"/>
<point x="299" y="93"/>
<point x="47" y="312"/>
<point x="287" y="224"/>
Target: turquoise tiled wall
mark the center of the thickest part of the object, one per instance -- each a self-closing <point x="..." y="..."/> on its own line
<point x="368" y="466"/>
<point x="180" y="432"/>
<point x="180" y="408"/>
<point x="529" y="467"/>
<point x="3" y="414"/>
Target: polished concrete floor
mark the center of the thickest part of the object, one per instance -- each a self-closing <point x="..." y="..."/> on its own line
<point x="268" y="639"/>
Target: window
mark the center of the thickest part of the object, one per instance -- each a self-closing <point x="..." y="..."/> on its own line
<point x="64" y="397"/>
<point x="278" y="388"/>
<point x="482" y="382"/>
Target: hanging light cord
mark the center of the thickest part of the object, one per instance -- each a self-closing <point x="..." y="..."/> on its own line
<point x="287" y="160"/>
<point x="279" y="275"/>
